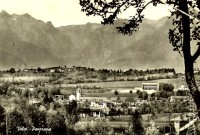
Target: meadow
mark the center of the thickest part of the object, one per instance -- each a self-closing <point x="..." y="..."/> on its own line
<point x="23" y="78"/>
<point x="127" y="84"/>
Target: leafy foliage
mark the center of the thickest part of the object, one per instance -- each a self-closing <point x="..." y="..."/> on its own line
<point x="176" y="34"/>
<point x="109" y="12"/>
<point x="2" y="120"/>
<point x="57" y="124"/>
<point x="17" y="120"/>
<point x="72" y="113"/>
<point x="101" y="127"/>
<point x="136" y="124"/>
<point x="152" y="129"/>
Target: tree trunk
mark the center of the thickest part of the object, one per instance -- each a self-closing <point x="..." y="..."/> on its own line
<point x="188" y="59"/>
<point x="198" y="4"/>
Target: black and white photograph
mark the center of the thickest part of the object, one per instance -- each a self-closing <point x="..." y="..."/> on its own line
<point x="99" y="67"/>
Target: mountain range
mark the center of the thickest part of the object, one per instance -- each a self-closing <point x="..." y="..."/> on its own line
<point x="26" y="42"/>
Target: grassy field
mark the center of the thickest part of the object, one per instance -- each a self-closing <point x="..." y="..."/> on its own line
<point x="125" y="121"/>
<point x="23" y="78"/>
<point x="127" y="84"/>
<point x="109" y="94"/>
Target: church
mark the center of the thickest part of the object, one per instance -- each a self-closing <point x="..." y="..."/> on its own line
<point x="76" y="97"/>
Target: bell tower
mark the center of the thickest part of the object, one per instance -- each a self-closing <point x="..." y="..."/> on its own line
<point x="78" y="94"/>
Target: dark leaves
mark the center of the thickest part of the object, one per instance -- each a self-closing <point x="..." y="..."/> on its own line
<point x="132" y="25"/>
<point x="176" y="34"/>
<point x="110" y="10"/>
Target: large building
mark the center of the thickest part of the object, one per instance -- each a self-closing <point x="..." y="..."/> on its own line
<point x="150" y="87"/>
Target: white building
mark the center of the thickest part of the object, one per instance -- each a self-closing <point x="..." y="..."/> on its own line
<point x="34" y="101"/>
<point x="52" y="70"/>
<point x="72" y="97"/>
<point x="98" y="105"/>
<point x="183" y="88"/>
<point x="150" y="87"/>
<point x="174" y="98"/>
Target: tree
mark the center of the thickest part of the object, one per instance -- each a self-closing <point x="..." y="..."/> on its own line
<point x="152" y="129"/>
<point x="2" y="120"/>
<point x="72" y="114"/>
<point x="101" y="127"/>
<point x="136" y="124"/>
<point x="140" y="94"/>
<point x="4" y="87"/>
<point x="116" y="92"/>
<point x="17" y="125"/>
<point x="185" y="19"/>
<point x="130" y="91"/>
<point x="130" y="99"/>
<point x="145" y="95"/>
<point x="168" y="87"/>
<point x="57" y="124"/>
<point x="36" y="118"/>
<point x="153" y="96"/>
<point x="12" y="70"/>
<point x="39" y="69"/>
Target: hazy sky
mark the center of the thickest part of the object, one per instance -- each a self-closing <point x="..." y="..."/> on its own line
<point x="65" y="12"/>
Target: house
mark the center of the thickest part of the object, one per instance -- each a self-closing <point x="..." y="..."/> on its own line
<point x="31" y="89"/>
<point x="52" y="70"/>
<point x="25" y="70"/>
<point x="34" y="101"/>
<point x="183" y="88"/>
<point x="98" y="104"/>
<point x="174" y="98"/>
<point x="72" y="97"/>
<point x="42" y="108"/>
<point x="58" y="69"/>
<point x="59" y="99"/>
<point x="98" y="112"/>
<point x="140" y="102"/>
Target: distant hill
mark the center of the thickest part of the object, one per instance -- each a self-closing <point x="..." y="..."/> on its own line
<point x="26" y="42"/>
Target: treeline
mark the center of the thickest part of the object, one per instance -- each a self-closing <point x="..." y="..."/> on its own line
<point x="130" y="72"/>
<point x="89" y="75"/>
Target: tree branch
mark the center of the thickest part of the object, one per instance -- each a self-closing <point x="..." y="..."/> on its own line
<point x="113" y="16"/>
<point x="147" y="5"/>
<point x="133" y="23"/>
<point x="196" y="55"/>
<point x="170" y="2"/>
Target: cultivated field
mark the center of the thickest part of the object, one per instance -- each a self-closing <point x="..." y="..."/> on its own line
<point x="127" y="84"/>
<point x="23" y="78"/>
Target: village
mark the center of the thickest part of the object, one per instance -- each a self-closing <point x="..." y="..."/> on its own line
<point x="171" y="109"/>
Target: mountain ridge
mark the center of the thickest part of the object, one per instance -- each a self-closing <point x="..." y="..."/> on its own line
<point x="38" y="44"/>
